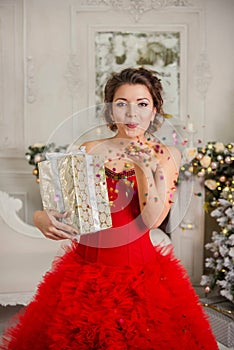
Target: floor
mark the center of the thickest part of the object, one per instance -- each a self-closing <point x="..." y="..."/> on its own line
<point x="7" y="312"/>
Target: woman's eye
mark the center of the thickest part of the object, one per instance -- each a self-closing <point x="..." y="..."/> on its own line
<point x="121" y="104"/>
<point x="143" y="104"/>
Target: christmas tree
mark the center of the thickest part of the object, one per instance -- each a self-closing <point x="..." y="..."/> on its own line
<point x="215" y="164"/>
<point x="220" y="264"/>
<point x="37" y="153"/>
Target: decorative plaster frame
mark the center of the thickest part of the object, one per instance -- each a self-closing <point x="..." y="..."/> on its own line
<point x="9" y="206"/>
<point x="148" y="30"/>
<point x="188" y="16"/>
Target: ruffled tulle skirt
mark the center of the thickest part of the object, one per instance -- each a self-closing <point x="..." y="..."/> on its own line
<point x="83" y="305"/>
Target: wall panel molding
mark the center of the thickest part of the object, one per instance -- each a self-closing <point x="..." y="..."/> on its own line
<point x="9" y="207"/>
<point x="11" y="77"/>
<point x="30" y="80"/>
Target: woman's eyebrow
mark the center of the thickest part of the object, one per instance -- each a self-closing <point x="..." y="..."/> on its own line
<point x="138" y="99"/>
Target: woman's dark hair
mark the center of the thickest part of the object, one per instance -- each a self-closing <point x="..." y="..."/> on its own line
<point x="134" y="76"/>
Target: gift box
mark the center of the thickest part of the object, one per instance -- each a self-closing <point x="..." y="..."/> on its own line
<point x="221" y="320"/>
<point x="76" y="183"/>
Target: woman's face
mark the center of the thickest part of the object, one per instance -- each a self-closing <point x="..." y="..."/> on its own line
<point x="132" y="110"/>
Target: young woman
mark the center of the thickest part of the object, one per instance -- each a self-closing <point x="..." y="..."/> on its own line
<point x="114" y="290"/>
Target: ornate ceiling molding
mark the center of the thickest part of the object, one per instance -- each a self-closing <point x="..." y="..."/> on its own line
<point x="136" y="8"/>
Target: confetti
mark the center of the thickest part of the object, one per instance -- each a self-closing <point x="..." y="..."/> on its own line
<point x="199" y="194"/>
<point x="121" y="321"/>
<point x="56" y="198"/>
<point x="184" y="142"/>
<point x="174" y="135"/>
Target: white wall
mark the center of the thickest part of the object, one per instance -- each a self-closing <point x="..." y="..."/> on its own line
<point x="220" y="48"/>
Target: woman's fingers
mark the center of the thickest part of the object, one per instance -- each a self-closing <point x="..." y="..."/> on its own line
<point x="50" y="224"/>
<point x="57" y="234"/>
<point x="56" y="218"/>
<point x="54" y="233"/>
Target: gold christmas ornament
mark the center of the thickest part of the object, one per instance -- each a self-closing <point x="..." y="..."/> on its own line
<point x="214" y="165"/>
<point x="222" y="178"/>
<point x="201" y="173"/>
<point x="228" y="160"/>
<point x="199" y="156"/>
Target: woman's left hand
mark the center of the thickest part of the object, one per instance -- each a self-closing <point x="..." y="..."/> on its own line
<point x="142" y="154"/>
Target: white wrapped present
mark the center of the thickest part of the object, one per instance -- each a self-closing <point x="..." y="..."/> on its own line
<point x="76" y="183"/>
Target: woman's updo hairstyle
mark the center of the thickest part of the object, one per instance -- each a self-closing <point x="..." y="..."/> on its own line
<point x="134" y="76"/>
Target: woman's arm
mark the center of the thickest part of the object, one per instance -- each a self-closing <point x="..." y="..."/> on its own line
<point x="155" y="188"/>
<point x="49" y="223"/>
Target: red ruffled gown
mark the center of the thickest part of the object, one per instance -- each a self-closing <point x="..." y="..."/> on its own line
<point x="115" y="291"/>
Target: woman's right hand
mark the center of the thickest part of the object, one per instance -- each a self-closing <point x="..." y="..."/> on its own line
<point x="50" y="224"/>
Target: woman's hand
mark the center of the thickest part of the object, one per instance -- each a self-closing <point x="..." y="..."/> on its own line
<point x="142" y="155"/>
<point x="49" y="222"/>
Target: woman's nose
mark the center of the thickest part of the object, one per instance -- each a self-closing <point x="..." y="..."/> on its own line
<point x="131" y="112"/>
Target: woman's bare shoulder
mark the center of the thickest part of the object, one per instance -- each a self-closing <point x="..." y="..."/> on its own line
<point x="168" y="153"/>
<point x="90" y="146"/>
<point x="173" y="155"/>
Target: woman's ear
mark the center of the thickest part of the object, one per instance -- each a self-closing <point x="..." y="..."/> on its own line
<point x="111" y="117"/>
<point x="153" y="114"/>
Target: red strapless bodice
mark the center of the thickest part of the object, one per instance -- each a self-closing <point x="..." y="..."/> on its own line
<point x="128" y="241"/>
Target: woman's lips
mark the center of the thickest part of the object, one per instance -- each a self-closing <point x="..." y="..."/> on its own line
<point x="132" y="125"/>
